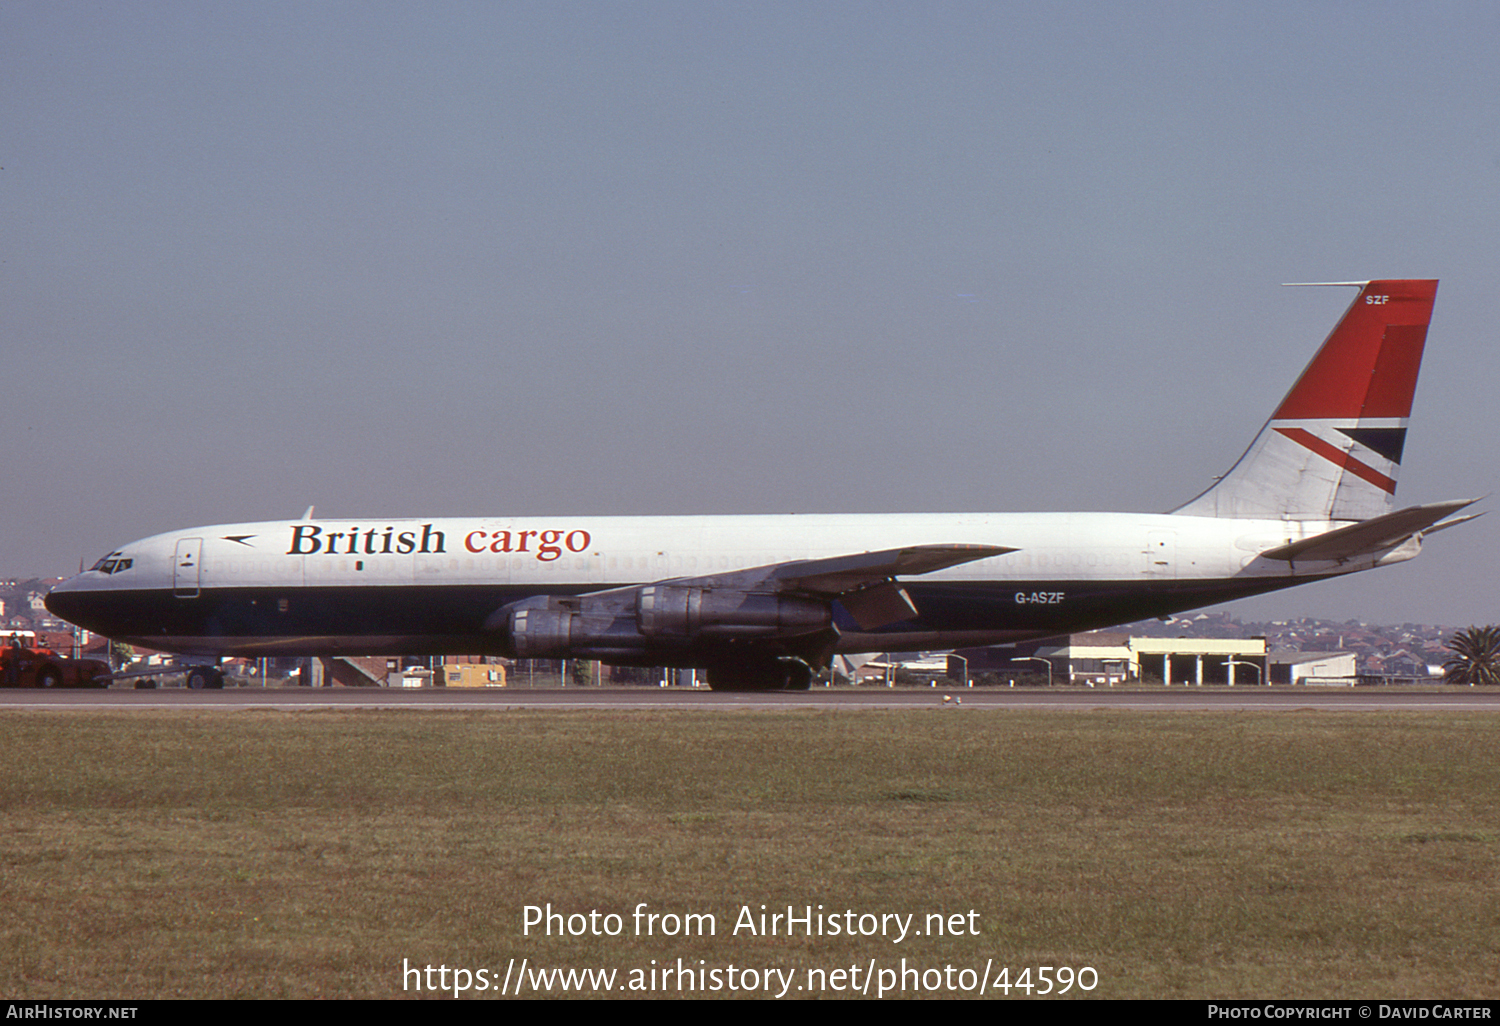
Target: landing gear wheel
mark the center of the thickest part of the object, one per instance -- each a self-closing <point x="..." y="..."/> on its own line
<point x="798" y="675"/>
<point x="200" y="677"/>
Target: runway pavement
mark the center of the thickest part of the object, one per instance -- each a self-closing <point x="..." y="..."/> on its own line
<point x="1475" y="700"/>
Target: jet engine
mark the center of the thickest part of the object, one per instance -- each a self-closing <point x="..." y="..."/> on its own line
<point x="665" y="609"/>
<point x="662" y="618"/>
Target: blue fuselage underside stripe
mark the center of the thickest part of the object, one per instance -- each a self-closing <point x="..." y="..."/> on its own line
<point x="449" y="619"/>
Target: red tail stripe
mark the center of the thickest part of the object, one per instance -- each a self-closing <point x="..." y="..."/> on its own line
<point x="1339" y="458"/>
<point x="1368" y="365"/>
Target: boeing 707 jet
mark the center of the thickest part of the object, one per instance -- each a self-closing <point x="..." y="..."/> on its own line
<point x="760" y="602"/>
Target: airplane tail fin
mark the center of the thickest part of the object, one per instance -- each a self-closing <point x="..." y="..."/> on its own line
<point x="1332" y="450"/>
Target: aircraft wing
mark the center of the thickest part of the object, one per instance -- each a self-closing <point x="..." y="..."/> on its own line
<point x="1371" y="536"/>
<point x="864" y="582"/>
<point x="843" y="574"/>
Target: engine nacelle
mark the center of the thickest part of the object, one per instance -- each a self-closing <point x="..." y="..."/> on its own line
<point x="662" y="621"/>
<point x="666" y="609"/>
<point x="542" y="633"/>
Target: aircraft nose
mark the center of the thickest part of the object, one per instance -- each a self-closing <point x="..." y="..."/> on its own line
<point x="68" y="600"/>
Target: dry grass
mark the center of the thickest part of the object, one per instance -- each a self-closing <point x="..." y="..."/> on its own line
<point x="269" y="854"/>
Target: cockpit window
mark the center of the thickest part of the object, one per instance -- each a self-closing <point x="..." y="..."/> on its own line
<point x="112" y="564"/>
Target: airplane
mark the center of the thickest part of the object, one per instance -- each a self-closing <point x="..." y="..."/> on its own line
<point x="760" y="602"/>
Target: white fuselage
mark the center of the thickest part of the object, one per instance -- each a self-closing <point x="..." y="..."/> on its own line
<point x="286" y="586"/>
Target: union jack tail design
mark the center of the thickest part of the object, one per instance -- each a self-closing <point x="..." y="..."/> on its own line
<point x="1332" y="450"/>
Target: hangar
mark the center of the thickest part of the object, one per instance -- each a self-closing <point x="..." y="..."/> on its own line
<point x="1109" y="658"/>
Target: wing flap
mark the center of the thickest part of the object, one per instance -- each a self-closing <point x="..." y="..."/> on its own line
<point x="878" y="605"/>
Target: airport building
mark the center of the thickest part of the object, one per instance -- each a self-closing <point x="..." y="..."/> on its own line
<point x="1312" y="667"/>
<point x="1108" y="658"/>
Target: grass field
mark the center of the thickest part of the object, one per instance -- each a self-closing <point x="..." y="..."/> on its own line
<point x="268" y="854"/>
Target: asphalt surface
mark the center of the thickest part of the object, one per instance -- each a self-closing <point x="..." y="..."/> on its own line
<point x="620" y="699"/>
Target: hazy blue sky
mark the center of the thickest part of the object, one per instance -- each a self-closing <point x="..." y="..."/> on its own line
<point x="495" y="258"/>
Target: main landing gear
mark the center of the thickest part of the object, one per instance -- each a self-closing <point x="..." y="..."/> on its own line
<point x="200" y="677"/>
<point x="785" y="674"/>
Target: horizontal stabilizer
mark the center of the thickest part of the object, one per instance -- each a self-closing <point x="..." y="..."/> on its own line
<point x="1435" y="528"/>
<point x="1370" y="536"/>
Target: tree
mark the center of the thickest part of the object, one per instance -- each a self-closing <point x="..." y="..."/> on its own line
<point x="1476" y="656"/>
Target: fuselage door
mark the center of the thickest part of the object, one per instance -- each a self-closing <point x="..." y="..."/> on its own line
<point x="186" y="569"/>
<point x="1161" y="554"/>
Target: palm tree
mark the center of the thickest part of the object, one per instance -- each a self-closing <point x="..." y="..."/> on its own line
<point x="1476" y="656"/>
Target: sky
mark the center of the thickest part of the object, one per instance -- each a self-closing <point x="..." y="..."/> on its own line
<point x="433" y="259"/>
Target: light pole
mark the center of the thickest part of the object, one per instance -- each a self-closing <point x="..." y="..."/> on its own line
<point x="1232" y="662"/>
<point x="965" y="679"/>
<point x="1039" y="659"/>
